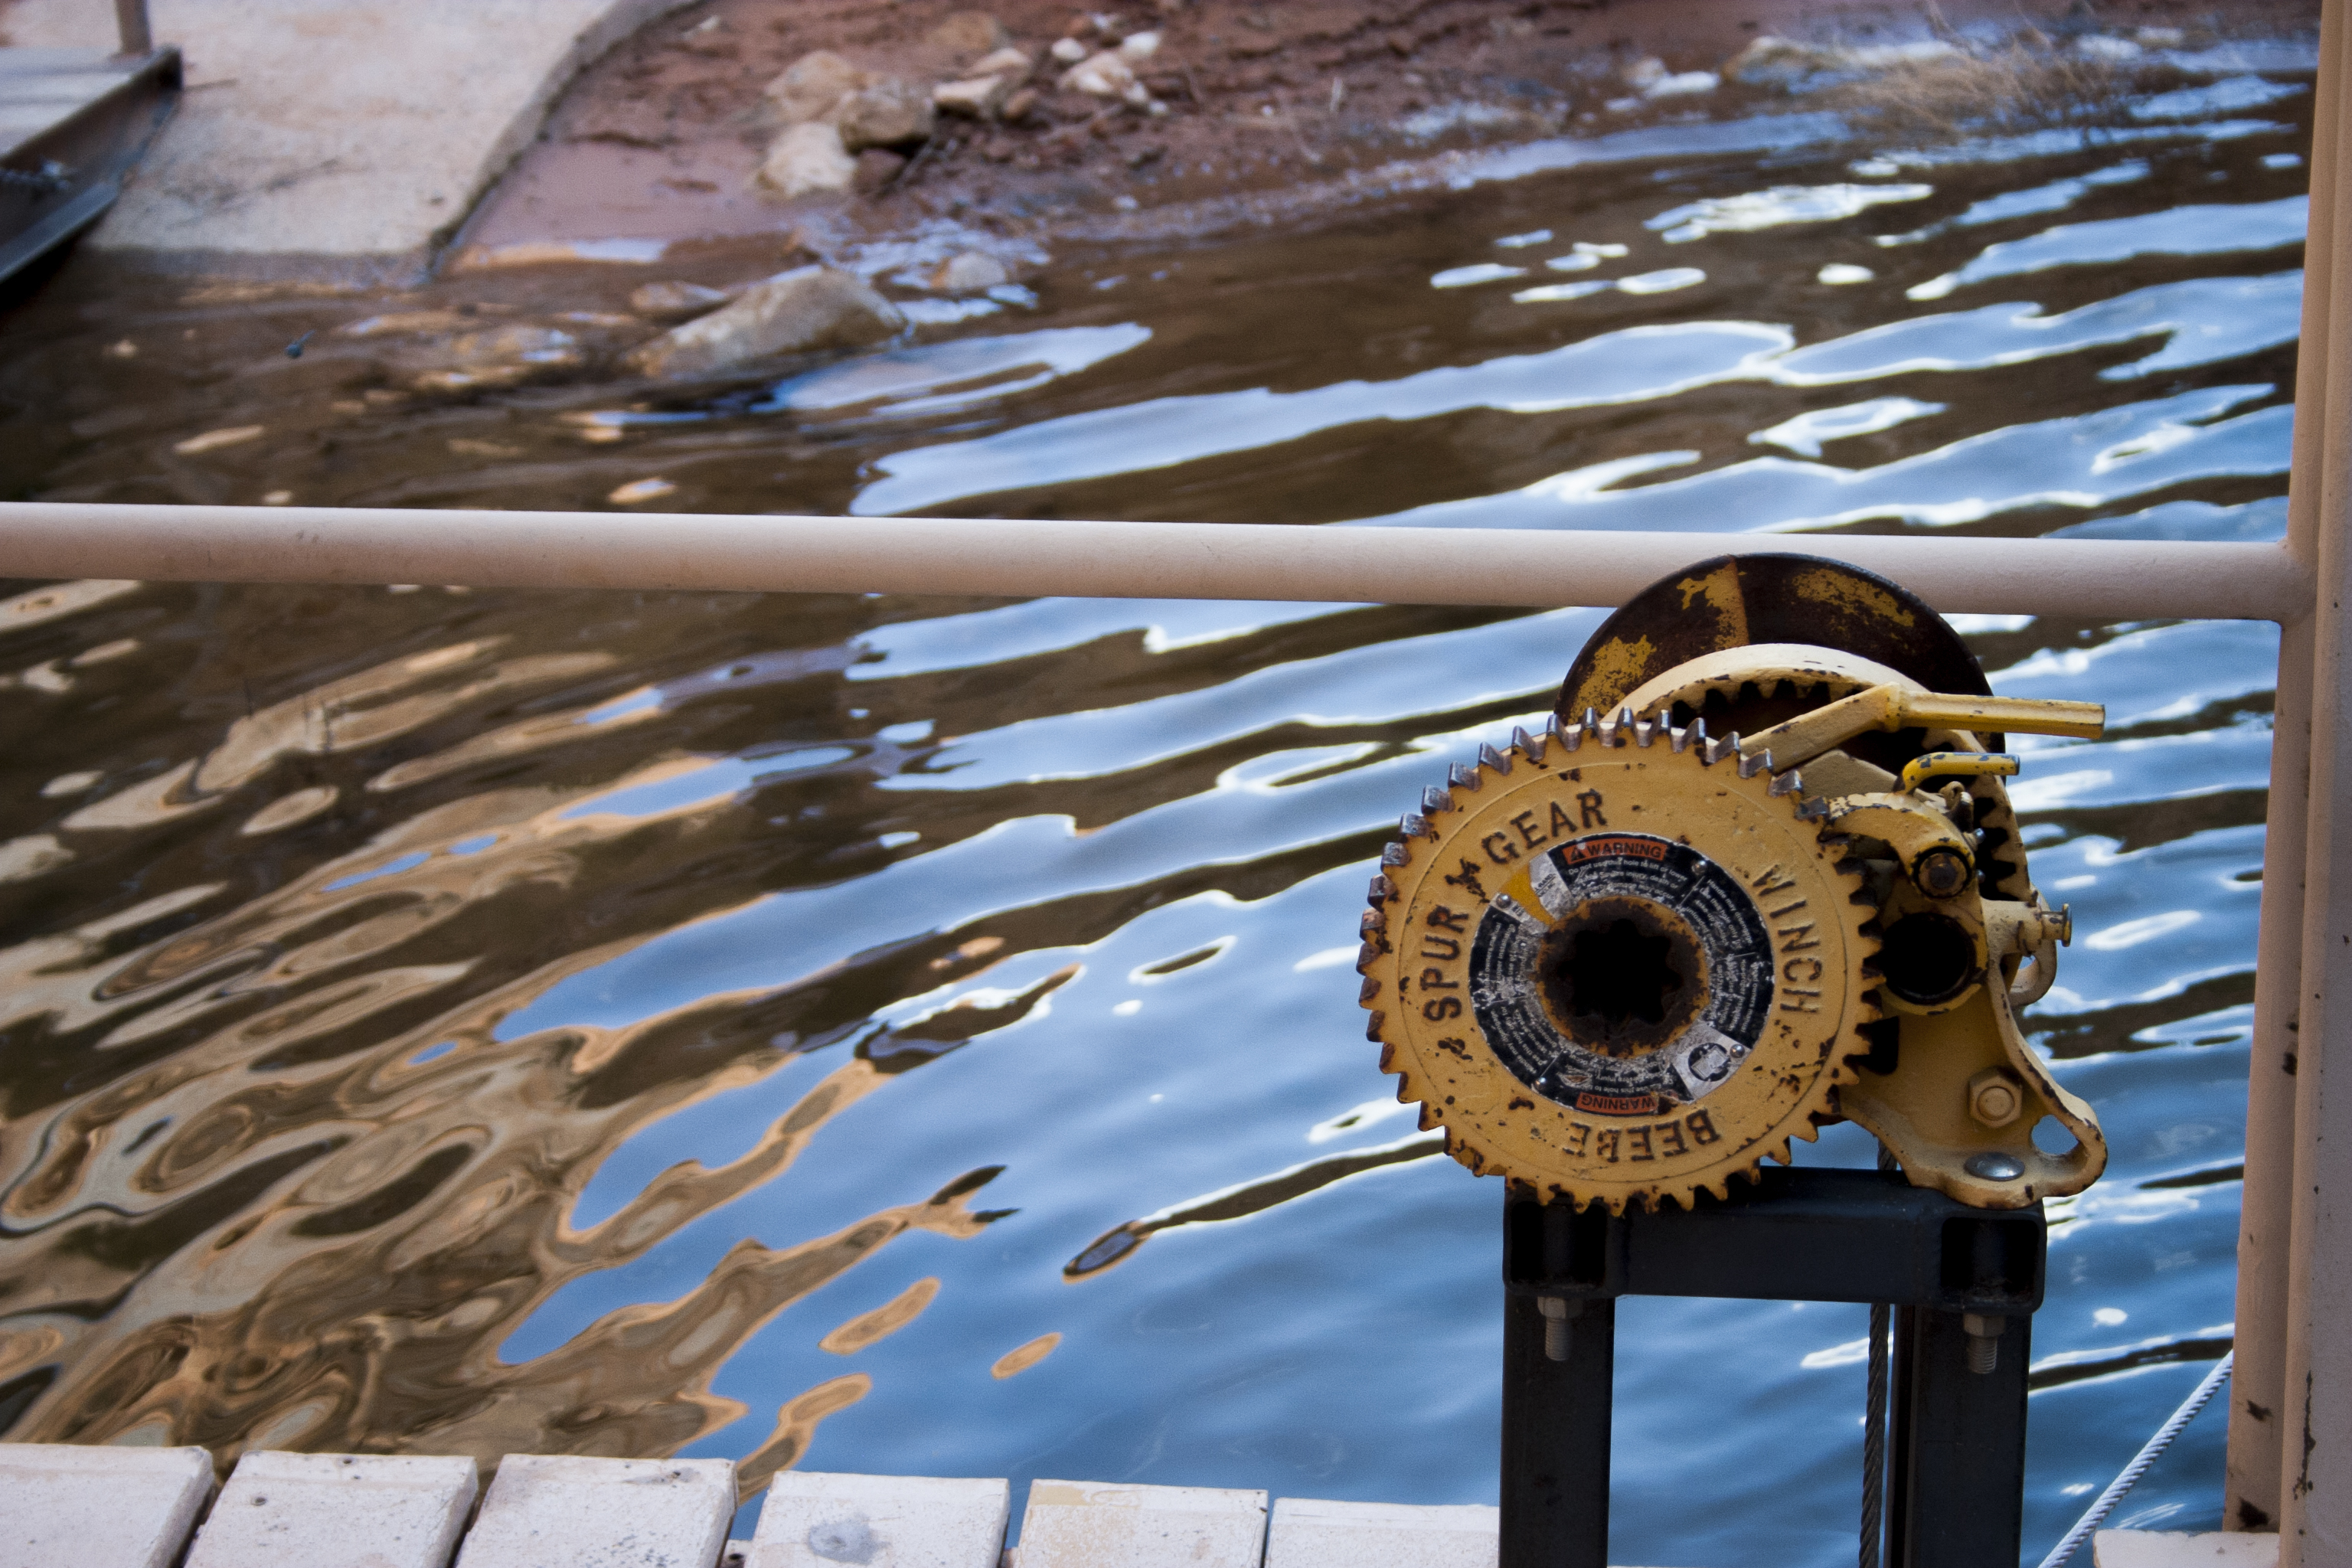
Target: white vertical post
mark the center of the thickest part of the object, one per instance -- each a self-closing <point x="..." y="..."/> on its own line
<point x="131" y="24"/>
<point x="2314" y="1415"/>
<point x="2259" y="1405"/>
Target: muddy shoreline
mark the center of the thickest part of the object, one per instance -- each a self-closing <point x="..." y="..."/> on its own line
<point x="1257" y="113"/>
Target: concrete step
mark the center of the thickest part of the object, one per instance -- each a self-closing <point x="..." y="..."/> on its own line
<point x="2170" y="1549"/>
<point x="554" y="1511"/>
<point x="72" y="1507"/>
<point x="1308" y="1533"/>
<point x="1093" y="1524"/>
<point x="336" y="1511"/>
<point x="815" y="1521"/>
<point x="67" y="1507"/>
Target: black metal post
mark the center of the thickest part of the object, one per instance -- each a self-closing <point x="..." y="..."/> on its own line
<point x="1956" y="1459"/>
<point x="1555" y="1437"/>
<point x="1963" y="1439"/>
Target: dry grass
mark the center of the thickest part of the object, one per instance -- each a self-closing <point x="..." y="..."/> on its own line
<point x="2017" y="89"/>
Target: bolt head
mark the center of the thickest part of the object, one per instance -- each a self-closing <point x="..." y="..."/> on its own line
<point x="1995" y="1098"/>
<point x="1942" y="873"/>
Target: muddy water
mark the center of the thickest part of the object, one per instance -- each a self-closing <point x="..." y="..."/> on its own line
<point x="801" y="1028"/>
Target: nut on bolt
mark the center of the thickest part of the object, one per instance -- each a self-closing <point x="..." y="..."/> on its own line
<point x="1557" y="1313"/>
<point x="1942" y="873"/>
<point x="1984" y="1331"/>
<point x="1995" y="1097"/>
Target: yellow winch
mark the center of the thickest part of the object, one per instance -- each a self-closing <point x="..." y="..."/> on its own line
<point x="1740" y="888"/>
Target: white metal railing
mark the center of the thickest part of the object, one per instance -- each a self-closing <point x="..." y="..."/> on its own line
<point x="2092" y="579"/>
<point x="2290" y="1458"/>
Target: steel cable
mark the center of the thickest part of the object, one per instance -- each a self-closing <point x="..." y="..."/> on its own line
<point x="1873" y="1421"/>
<point x="2173" y="1427"/>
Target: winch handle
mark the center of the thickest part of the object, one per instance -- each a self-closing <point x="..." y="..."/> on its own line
<point x="1957" y="764"/>
<point x="1890" y="707"/>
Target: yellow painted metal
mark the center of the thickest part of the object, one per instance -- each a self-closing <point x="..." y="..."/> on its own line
<point x="1893" y="707"/>
<point x="1617" y="971"/>
<point x="1957" y="765"/>
<point x="1477" y="963"/>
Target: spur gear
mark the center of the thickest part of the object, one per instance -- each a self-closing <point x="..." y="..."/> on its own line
<point x="1617" y="965"/>
<point x="1626" y="962"/>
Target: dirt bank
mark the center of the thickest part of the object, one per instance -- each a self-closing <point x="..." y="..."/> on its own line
<point x="1243" y="101"/>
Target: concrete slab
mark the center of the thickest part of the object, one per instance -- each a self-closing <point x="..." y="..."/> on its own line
<point x="336" y="131"/>
<point x="554" y="1511"/>
<point x="813" y="1520"/>
<point x="2171" y="1548"/>
<point x="63" y="1506"/>
<point x="1308" y="1533"/>
<point x="1095" y="1524"/>
<point x="336" y="1511"/>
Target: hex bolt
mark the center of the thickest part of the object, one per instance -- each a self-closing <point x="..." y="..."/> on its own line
<point x="1995" y="1098"/>
<point x="1558" y="1311"/>
<point x="1942" y="873"/>
<point x="1984" y="1331"/>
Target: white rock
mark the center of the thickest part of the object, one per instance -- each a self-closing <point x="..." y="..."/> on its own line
<point x="2099" y="47"/>
<point x="1105" y="74"/>
<point x="978" y="99"/>
<point x="2166" y="1549"/>
<point x="1004" y="62"/>
<point x="1311" y="1534"/>
<point x="1140" y="45"/>
<point x="891" y="112"/>
<point x="1069" y="51"/>
<point x="967" y="272"/>
<point x="811" y="87"/>
<point x="558" y="1511"/>
<point x="1683" y="85"/>
<point x="813" y="1521"/>
<point x="806" y="159"/>
<point x="65" y="1506"/>
<point x="1095" y="1524"/>
<point x="795" y="313"/>
<point x="336" y="1511"/>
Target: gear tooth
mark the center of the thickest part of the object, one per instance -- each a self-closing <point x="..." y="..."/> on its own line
<point x="1529" y="746"/>
<point x="1591" y="719"/>
<point x="1459" y="777"/>
<point x="1382" y="890"/>
<point x="1374" y="923"/>
<point x="1365" y="993"/>
<point x="1387" y="1057"/>
<point x="1490" y="758"/>
<point x="1789" y="783"/>
<point x="1434" y="800"/>
<point x="1372" y="1025"/>
<point x="1395" y="854"/>
<point x="1760" y="763"/>
<point x="1368" y="954"/>
<point x="1414" y="825"/>
<point x="1430" y="1122"/>
<point x="1645" y="732"/>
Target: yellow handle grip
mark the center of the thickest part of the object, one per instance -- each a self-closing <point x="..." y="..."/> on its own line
<point x="1959" y="765"/>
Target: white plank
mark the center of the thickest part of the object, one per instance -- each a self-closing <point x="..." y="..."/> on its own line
<point x="336" y="1511"/>
<point x="64" y="1506"/>
<point x="817" y="1520"/>
<point x="554" y="1511"/>
<point x="1096" y="1524"/>
<point x="2171" y="1548"/>
<point x="1311" y="1533"/>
